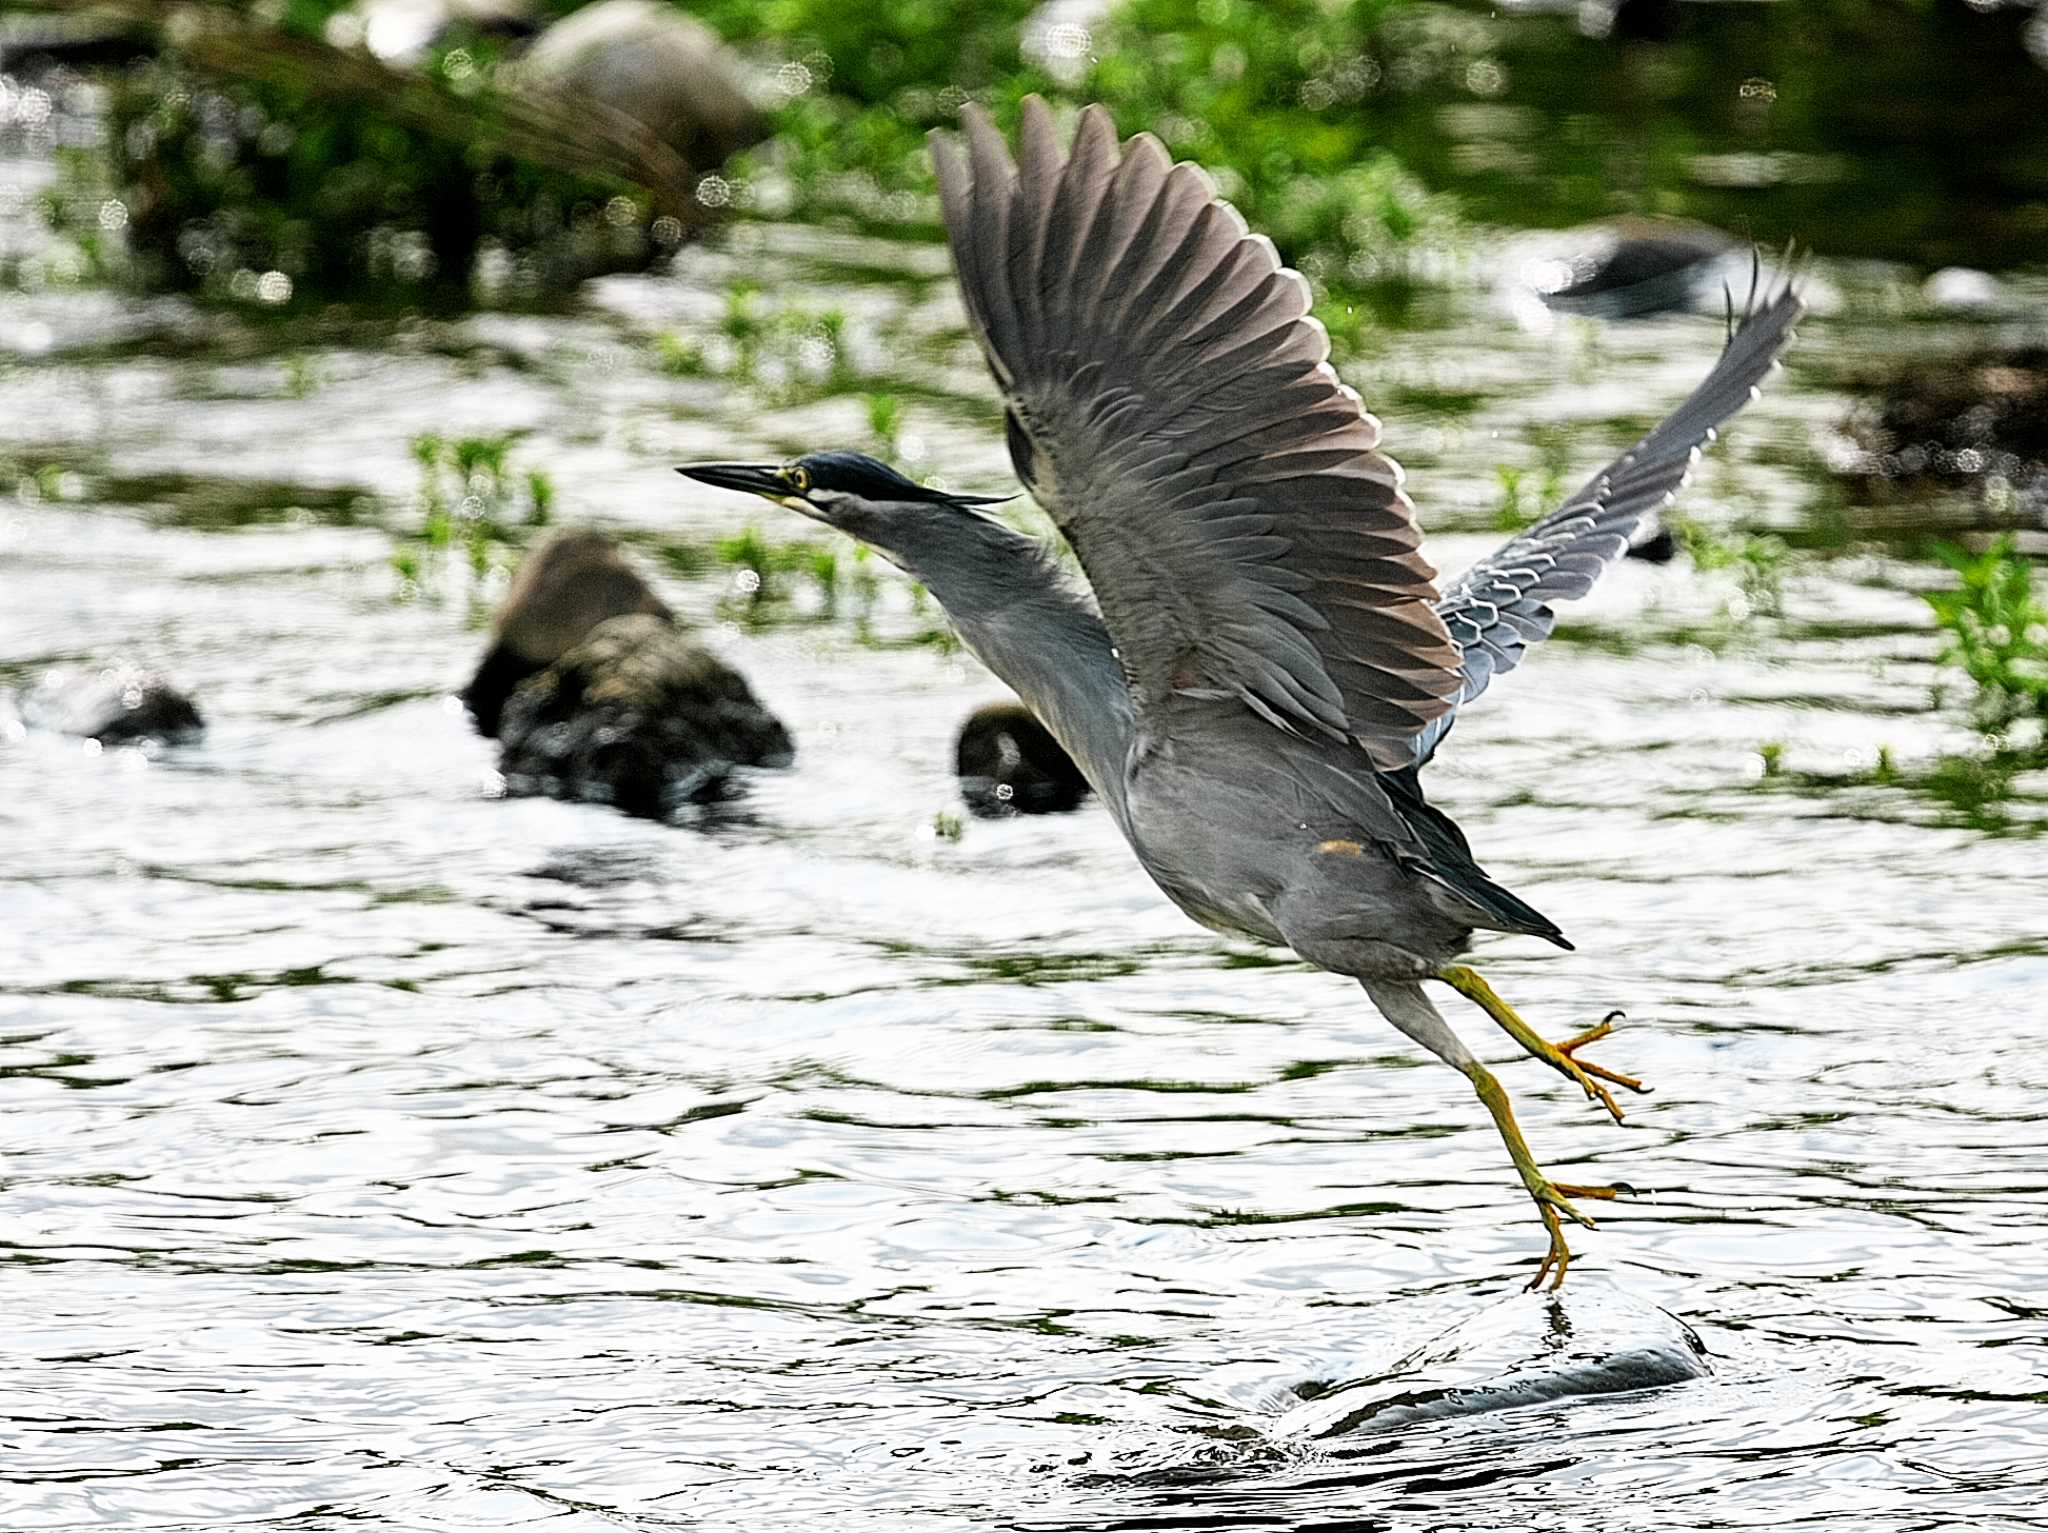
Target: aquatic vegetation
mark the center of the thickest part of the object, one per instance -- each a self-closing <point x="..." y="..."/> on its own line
<point x="1759" y="561"/>
<point x="1284" y="100"/>
<point x="262" y="164"/>
<point x="787" y="352"/>
<point x="1997" y="632"/>
<point x="1524" y="498"/>
<point x="1278" y="98"/>
<point x="860" y="88"/>
<point x="30" y="481"/>
<point x="885" y="424"/>
<point x="776" y="581"/>
<point x="261" y="182"/>
<point x="301" y="377"/>
<point x="468" y="500"/>
<point x="1997" y="635"/>
<point x="540" y="498"/>
<point x="679" y="358"/>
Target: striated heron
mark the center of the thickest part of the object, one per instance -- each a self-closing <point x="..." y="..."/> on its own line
<point x="1265" y="664"/>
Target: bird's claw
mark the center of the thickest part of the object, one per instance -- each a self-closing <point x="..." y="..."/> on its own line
<point x="1559" y="1056"/>
<point x="1552" y="1199"/>
<point x="1589" y="1075"/>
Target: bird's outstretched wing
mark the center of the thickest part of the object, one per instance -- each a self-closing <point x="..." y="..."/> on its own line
<point x="1500" y="606"/>
<point x="1169" y="403"/>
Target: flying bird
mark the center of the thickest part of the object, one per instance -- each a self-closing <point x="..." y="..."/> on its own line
<point x="1263" y="663"/>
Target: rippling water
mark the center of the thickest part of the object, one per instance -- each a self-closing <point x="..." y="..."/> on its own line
<point x="382" y="1152"/>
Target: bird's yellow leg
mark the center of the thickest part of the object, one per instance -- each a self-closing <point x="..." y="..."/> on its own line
<point x="1559" y="1056"/>
<point x="1552" y="1198"/>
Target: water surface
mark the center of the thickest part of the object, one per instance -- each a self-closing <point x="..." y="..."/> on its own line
<point x="382" y="1152"/>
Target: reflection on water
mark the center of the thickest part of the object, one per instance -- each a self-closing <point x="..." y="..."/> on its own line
<point x="382" y="1152"/>
<point x="1900" y="132"/>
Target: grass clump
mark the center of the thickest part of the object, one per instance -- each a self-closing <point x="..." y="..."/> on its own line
<point x="1997" y="631"/>
<point x="788" y="352"/>
<point x="774" y="582"/>
<point x="469" y="502"/>
<point x="1759" y="561"/>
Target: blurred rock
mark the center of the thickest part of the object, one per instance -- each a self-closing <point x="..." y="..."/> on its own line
<point x="1975" y="420"/>
<point x="1009" y="763"/>
<point x="655" y="64"/>
<point x="637" y="715"/>
<point x="1590" y="1338"/>
<point x="120" y="705"/>
<point x="570" y="582"/>
<point x="401" y="31"/>
<point x="594" y="694"/>
<point x="1964" y="287"/>
<point x="1629" y="267"/>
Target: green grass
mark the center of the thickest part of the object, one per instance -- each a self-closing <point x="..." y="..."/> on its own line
<point x="1759" y="561"/>
<point x="1997" y="631"/>
<point x="468" y="503"/>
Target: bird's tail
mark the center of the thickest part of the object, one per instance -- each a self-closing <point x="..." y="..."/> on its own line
<point x="1450" y="865"/>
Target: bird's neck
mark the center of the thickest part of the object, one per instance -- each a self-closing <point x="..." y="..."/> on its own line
<point x="1023" y="619"/>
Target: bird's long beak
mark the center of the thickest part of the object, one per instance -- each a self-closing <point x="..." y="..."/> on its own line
<point x="754" y="478"/>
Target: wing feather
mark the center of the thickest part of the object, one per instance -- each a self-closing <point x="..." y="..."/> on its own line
<point x="1502" y="605"/>
<point x="1169" y="401"/>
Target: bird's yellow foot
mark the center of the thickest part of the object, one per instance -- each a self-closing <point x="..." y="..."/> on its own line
<point x="1559" y="1056"/>
<point x="1551" y="1198"/>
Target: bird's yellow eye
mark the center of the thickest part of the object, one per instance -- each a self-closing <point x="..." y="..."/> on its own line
<point x="797" y="477"/>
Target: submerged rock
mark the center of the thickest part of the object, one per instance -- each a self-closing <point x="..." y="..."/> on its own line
<point x="119" y="705"/>
<point x="666" y="70"/>
<point x="1637" y="266"/>
<point x="595" y="694"/>
<point x="1531" y="1349"/>
<point x="638" y="715"/>
<point x="1009" y="763"/>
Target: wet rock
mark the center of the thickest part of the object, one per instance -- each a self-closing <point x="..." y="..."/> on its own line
<point x="120" y="705"/>
<point x="595" y="694"/>
<point x="1009" y="763"/>
<point x="1975" y="420"/>
<point x="1531" y="1349"/>
<point x="638" y="715"/>
<point x="568" y="583"/>
<point x="1631" y="267"/>
<point x="655" y="64"/>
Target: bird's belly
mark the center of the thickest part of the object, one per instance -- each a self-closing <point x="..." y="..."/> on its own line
<point x="1213" y="854"/>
